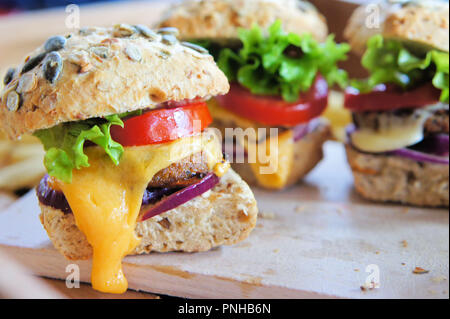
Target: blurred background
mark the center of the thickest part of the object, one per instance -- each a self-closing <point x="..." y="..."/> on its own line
<point x="20" y="5"/>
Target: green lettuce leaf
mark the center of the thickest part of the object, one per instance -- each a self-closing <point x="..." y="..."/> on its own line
<point x="64" y="144"/>
<point x="389" y="61"/>
<point x="282" y="63"/>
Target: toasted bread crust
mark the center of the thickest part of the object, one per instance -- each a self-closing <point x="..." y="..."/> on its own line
<point x="224" y="215"/>
<point x="388" y="178"/>
<point x="104" y="72"/>
<point x="425" y="23"/>
<point x="221" y="19"/>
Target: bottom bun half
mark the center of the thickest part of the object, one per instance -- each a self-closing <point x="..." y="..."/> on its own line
<point x="388" y="178"/>
<point x="225" y="215"/>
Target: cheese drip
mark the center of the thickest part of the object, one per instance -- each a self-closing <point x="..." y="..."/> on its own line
<point x="105" y="200"/>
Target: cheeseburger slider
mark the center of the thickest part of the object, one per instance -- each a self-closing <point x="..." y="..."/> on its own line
<point x="132" y="167"/>
<point x="280" y="62"/>
<point x="398" y="145"/>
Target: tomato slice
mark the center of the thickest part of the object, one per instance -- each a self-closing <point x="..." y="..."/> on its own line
<point x="386" y="97"/>
<point x="271" y="110"/>
<point x="163" y="125"/>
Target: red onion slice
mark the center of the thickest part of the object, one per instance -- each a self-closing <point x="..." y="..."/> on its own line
<point x="153" y="195"/>
<point x="420" y="157"/>
<point x="441" y="144"/>
<point x="444" y="138"/>
<point x="300" y="131"/>
<point x="182" y="196"/>
<point x="52" y="198"/>
<point x="434" y="149"/>
<point x="434" y="145"/>
<point x="57" y="199"/>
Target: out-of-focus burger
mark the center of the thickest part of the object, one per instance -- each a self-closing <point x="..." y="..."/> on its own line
<point x="132" y="167"/>
<point x="280" y="62"/>
<point x="398" y="146"/>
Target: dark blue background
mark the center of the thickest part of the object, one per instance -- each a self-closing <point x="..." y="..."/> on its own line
<point x="40" y="4"/>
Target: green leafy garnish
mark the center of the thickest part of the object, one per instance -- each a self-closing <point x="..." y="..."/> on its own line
<point x="64" y="144"/>
<point x="389" y="61"/>
<point x="282" y="63"/>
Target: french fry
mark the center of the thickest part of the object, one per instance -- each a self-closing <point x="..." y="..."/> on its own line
<point x="5" y="149"/>
<point x="22" y="174"/>
<point x="23" y="151"/>
<point x="21" y="163"/>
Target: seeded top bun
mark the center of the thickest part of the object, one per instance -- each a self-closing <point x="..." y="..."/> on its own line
<point x="220" y="19"/>
<point x="423" y="24"/>
<point x="102" y="71"/>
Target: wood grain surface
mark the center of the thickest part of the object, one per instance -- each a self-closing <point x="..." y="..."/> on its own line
<point x="85" y="291"/>
<point x="16" y="281"/>
<point x="315" y="240"/>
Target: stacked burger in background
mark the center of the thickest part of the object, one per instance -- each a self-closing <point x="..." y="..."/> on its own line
<point x="398" y="145"/>
<point x="280" y="62"/>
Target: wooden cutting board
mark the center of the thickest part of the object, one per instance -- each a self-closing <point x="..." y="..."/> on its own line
<point x="314" y="240"/>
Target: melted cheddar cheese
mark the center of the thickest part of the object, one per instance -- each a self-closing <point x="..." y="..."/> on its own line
<point x="221" y="168"/>
<point x="273" y="166"/>
<point x="105" y="199"/>
<point x="272" y="169"/>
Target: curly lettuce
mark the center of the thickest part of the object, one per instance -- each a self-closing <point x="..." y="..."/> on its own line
<point x="64" y="144"/>
<point x="281" y="63"/>
<point x="389" y="61"/>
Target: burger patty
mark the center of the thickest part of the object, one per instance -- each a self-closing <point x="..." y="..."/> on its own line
<point x="437" y="119"/>
<point x="438" y="122"/>
<point x="167" y="181"/>
<point x="183" y="173"/>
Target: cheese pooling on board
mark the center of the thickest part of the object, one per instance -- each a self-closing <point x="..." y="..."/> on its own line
<point x="106" y="199"/>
